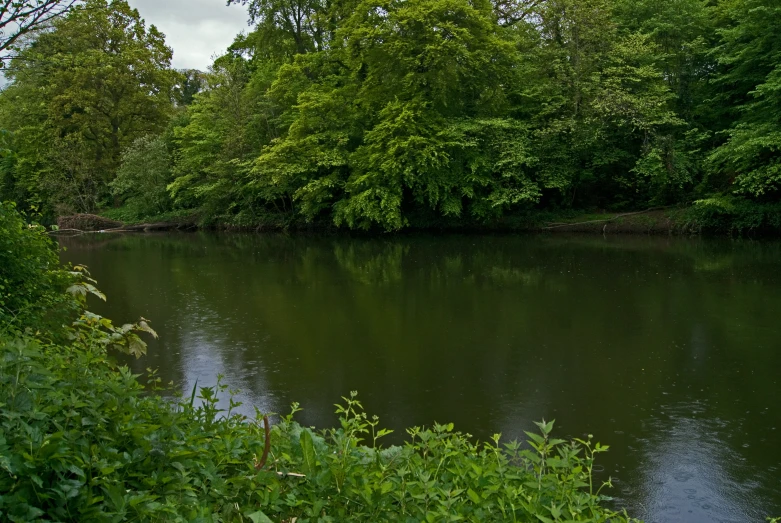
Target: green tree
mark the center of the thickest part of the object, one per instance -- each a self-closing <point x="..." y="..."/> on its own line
<point x="222" y="132"/>
<point x="379" y="122"/>
<point x="290" y="27"/>
<point x="748" y="95"/>
<point x="143" y="176"/>
<point x="603" y="108"/>
<point x="191" y="82"/>
<point x="387" y="114"/>
<point x="80" y="94"/>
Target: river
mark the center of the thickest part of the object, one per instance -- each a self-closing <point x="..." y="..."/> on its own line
<point x="666" y="349"/>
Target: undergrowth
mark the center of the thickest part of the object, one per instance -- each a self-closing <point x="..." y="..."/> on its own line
<point x="80" y="440"/>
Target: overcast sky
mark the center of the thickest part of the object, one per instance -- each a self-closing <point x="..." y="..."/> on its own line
<point x="197" y="30"/>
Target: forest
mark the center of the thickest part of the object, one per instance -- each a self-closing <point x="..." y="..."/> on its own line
<point x="390" y="114"/>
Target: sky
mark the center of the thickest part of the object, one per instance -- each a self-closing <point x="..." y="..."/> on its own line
<point x="197" y="30"/>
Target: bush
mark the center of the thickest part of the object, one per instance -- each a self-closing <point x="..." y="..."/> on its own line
<point x="81" y="440"/>
<point x="733" y="215"/>
<point x="32" y="284"/>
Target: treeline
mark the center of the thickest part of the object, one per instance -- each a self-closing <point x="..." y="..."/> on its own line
<point x="387" y="114"/>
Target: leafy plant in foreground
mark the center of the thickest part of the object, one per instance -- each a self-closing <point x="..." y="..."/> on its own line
<point x="81" y="440"/>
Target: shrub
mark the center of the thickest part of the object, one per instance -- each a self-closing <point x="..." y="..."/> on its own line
<point x="32" y="284"/>
<point x="733" y="215"/>
<point x="81" y="440"/>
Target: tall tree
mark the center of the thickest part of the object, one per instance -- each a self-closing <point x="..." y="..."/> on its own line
<point x="292" y="26"/>
<point x="748" y="97"/>
<point x="80" y="94"/>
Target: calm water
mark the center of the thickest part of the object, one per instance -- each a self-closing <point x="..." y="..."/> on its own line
<point x="668" y="350"/>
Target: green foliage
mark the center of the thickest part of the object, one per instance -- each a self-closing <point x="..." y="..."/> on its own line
<point x="216" y="142"/>
<point x="191" y="82"/>
<point x="143" y="176"/>
<point x="750" y="89"/>
<point x="32" y="285"/>
<point x="80" y="93"/>
<point x="439" y="109"/>
<point x="82" y="441"/>
<point x="383" y="114"/>
<point x="129" y="216"/>
<point x="289" y="27"/>
<point x="734" y="215"/>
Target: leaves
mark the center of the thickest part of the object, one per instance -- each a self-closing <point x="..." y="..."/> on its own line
<point x="81" y="93"/>
<point x="143" y="177"/>
<point x="383" y="114"/>
<point x="259" y="517"/>
<point x="157" y="459"/>
<point x="308" y="451"/>
<point x="34" y="291"/>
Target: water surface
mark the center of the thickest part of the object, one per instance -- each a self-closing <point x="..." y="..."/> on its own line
<point x="668" y="350"/>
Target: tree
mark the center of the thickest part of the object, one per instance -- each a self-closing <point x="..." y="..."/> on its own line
<point x="389" y="113"/>
<point x="19" y="19"/>
<point x="80" y="94"/>
<point x="143" y="176"/>
<point x="748" y="94"/>
<point x="378" y="121"/>
<point x="191" y="82"/>
<point x="220" y="134"/>
<point x="295" y="26"/>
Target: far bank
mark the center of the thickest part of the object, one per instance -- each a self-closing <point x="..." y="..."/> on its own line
<point x="712" y="217"/>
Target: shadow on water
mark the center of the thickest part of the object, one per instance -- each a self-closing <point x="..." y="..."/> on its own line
<point x="667" y="349"/>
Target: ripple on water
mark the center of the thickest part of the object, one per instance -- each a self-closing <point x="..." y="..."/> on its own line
<point x="688" y="476"/>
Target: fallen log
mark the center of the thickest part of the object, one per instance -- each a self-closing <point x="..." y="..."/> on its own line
<point x="87" y="222"/>
<point x="141" y="227"/>
<point x="606" y="220"/>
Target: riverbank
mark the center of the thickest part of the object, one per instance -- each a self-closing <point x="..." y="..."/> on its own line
<point x="81" y="439"/>
<point x="712" y="217"/>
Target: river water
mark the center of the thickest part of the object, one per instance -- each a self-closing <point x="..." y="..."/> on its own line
<point x="667" y="349"/>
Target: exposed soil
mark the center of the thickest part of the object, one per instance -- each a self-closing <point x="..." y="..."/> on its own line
<point x="87" y="222"/>
<point x="661" y="221"/>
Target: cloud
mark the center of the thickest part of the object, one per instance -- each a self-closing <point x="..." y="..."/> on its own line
<point x="197" y="30"/>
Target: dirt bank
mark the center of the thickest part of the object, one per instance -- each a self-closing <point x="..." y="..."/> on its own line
<point x="659" y="221"/>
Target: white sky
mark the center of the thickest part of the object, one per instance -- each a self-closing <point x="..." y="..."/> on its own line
<point x="197" y="30"/>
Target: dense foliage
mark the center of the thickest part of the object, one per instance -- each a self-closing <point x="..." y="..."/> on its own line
<point x="387" y="114"/>
<point x="82" y="440"/>
<point x="32" y="288"/>
<point x="79" y="95"/>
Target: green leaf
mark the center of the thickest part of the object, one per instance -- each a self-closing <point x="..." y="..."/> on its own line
<point x="259" y="517"/>
<point x="308" y="448"/>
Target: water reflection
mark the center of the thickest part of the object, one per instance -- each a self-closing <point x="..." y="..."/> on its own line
<point x="666" y="349"/>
